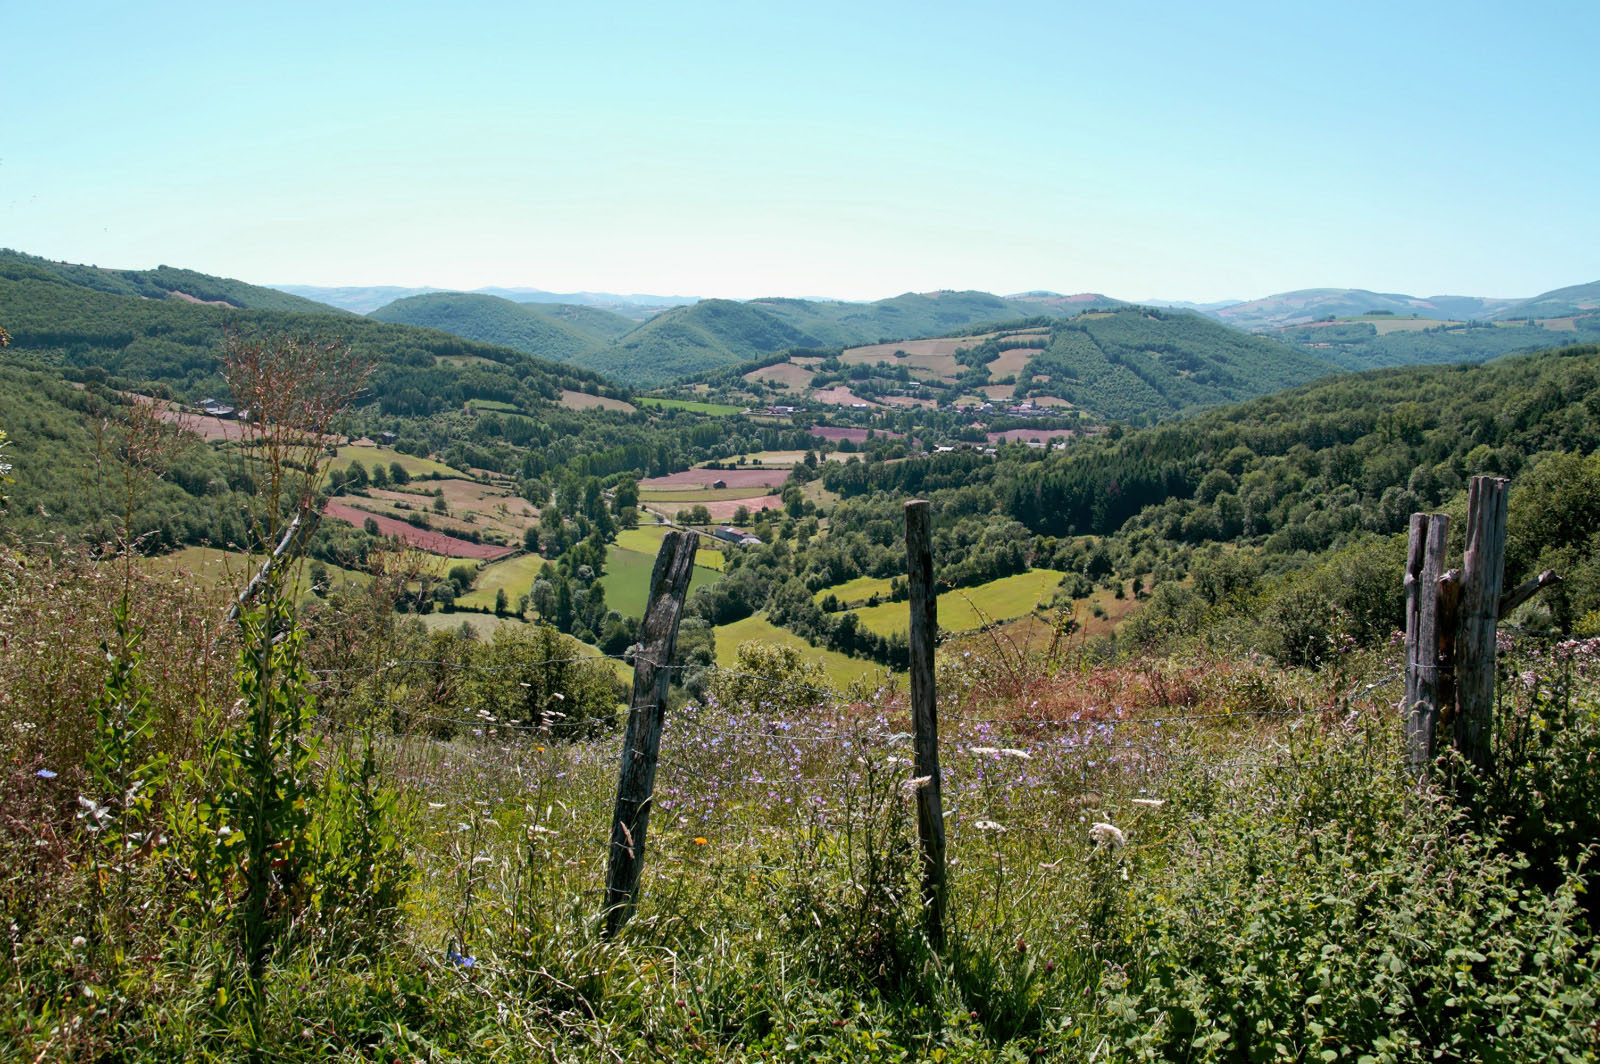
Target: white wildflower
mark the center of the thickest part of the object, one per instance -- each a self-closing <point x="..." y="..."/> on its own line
<point x="988" y="825"/>
<point x="1105" y="834"/>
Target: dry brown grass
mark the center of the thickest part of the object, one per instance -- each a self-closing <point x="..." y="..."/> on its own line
<point x="584" y="401"/>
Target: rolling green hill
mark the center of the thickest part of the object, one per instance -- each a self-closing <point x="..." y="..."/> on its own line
<point x="715" y="333"/>
<point x="1559" y="303"/>
<point x="489" y="319"/>
<point x="88" y="320"/>
<point x="161" y="283"/>
<point x="557" y="331"/>
<point x="1140" y="361"/>
<point x="597" y="323"/>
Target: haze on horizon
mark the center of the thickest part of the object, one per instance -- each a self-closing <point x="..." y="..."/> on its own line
<point x="1161" y="150"/>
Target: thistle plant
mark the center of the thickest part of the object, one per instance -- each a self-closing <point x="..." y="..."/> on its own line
<point x="265" y="804"/>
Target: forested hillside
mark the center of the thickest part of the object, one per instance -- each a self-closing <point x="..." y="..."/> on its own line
<point x="1139" y="361"/>
<point x="490" y="319"/>
<point x="1376" y="341"/>
<point x="174" y="344"/>
<point x="163" y="282"/>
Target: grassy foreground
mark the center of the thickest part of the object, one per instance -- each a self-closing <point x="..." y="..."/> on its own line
<point x="1202" y="860"/>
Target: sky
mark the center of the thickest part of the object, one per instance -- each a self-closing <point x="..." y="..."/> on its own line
<point x="851" y="150"/>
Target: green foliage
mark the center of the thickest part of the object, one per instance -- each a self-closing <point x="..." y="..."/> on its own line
<point x="1322" y="911"/>
<point x="263" y="807"/>
<point x="766" y="674"/>
<point x="357" y="836"/>
<point x="1544" y="792"/>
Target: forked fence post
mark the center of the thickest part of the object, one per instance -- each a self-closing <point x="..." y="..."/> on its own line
<point x="641" y="743"/>
<point x="924" y="716"/>
<point x="1483" y="571"/>
<point x="1424" y="566"/>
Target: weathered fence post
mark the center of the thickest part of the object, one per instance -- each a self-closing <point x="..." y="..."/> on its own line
<point x="1482" y="574"/>
<point x="1424" y="564"/>
<point x="924" y="718"/>
<point x="641" y="743"/>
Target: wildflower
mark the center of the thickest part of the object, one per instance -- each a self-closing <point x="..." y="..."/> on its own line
<point x="78" y="942"/>
<point x="460" y="960"/>
<point x="701" y="840"/>
<point x="988" y="825"/>
<point x="45" y="774"/>
<point x="1105" y="834"/>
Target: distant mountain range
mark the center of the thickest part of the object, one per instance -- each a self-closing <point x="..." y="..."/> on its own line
<point x="648" y="341"/>
<point x="687" y="340"/>
<point x="1316" y="304"/>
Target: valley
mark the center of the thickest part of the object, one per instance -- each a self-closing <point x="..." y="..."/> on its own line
<point x="1167" y="559"/>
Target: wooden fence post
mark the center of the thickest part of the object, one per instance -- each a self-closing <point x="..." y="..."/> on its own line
<point x="1424" y="564"/>
<point x="641" y="743"/>
<point x="924" y="716"/>
<point x="1482" y="574"/>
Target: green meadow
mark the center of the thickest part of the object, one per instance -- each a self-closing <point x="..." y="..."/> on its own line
<point x="858" y="590"/>
<point x="841" y="669"/>
<point x="966" y="608"/>
<point x="714" y="409"/>
<point x="627" y="579"/>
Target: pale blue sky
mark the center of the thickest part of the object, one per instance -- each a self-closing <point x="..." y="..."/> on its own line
<point x="1174" y="150"/>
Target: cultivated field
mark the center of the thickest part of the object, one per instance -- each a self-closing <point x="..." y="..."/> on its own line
<point x="840" y="669"/>
<point x="671" y="497"/>
<point x="766" y="459"/>
<point x="1024" y="435"/>
<point x="513" y="575"/>
<point x="434" y="542"/>
<point x="370" y="456"/>
<point x="694" y="407"/>
<point x="858" y="590"/>
<point x="627" y="579"/>
<point x="839" y="395"/>
<point x="724" y="510"/>
<point x="1013" y="360"/>
<point x="785" y="374"/>
<point x="746" y="477"/>
<point x="584" y="401"/>
<point x="964" y="609"/>
<point x="228" y="570"/>
<point x="839" y="432"/>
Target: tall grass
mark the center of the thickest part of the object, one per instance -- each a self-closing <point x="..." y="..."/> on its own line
<point x="1157" y="859"/>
